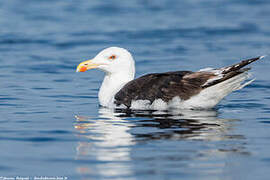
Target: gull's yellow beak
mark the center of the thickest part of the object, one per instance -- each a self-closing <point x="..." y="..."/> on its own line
<point x="86" y="65"/>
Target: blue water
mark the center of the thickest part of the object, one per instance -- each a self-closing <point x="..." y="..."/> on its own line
<point x="51" y="124"/>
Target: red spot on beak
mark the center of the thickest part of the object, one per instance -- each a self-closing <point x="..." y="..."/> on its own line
<point x="83" y="69"/>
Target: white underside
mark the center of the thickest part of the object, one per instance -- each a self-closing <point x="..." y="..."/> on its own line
<point x="206" y="99"/>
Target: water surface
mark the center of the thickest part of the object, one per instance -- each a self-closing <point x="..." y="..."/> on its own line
<point x="51" y="124"/>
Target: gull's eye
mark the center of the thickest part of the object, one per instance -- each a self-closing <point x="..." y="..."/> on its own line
<point x="112" y="57"/>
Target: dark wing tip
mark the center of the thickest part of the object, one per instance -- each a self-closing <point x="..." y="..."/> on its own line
<point x="241" y="64"/>
<point x="255" y="59"/>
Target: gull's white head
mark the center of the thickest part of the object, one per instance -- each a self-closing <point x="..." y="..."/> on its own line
<point x="119" y="67"/>
<point x="110" y="60"/>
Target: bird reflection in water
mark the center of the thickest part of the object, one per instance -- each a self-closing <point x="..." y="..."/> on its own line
<point x="186" y="124"/>
<point x="109" y="143"/>
<point x="109" y="139"/>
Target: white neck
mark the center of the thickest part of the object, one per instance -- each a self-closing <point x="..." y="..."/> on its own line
<point x="111" y="84"/>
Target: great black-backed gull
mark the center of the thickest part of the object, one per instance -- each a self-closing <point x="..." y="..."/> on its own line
<point x="203" y="89"/>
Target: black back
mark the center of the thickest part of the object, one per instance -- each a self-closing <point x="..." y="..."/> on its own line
<point x="163" y="86"/>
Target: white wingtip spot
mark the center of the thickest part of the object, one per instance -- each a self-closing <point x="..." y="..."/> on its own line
<point x="263" y="56"/>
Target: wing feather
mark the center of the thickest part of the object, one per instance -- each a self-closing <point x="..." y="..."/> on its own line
<point x="183" y="84"/>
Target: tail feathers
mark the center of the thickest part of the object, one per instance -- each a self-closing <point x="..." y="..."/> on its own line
<point x="211" y="96"/>
<point x="221" y="90"/>
<point x="235" y="83"/>
<point x="229" y="72"/>
<point x="245" y="84"/>
<point x="239" y="81"/>
<point x="221" y="83"/>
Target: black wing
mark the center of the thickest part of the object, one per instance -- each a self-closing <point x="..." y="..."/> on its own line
<point x="163" y="86"/>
